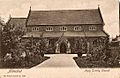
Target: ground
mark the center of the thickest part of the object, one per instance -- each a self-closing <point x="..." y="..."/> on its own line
<point x="64" y="66"/>
<point x="58" y="66"/>
<point x="59" y="60"/>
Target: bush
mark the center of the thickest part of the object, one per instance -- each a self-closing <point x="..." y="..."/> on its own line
<point x="32" y="49"/>
<point x="79" y="54"/>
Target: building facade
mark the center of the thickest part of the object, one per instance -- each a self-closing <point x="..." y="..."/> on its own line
<point x="67" y="31"/>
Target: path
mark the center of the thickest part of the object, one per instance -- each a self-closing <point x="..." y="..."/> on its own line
<point x="59" y="60"/>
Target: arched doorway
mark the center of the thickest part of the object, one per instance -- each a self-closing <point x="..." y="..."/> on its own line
<point x="63" y="48"/>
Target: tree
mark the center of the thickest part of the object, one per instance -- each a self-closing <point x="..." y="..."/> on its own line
<point x="10" y="38"/>
<point x="0" y="40"/>
<point x="21" y="51"/>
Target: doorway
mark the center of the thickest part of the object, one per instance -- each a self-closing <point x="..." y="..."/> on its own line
<point x="63" y="48"/>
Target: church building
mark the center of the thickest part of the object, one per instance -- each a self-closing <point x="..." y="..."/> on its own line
<point x="67" y="31"/>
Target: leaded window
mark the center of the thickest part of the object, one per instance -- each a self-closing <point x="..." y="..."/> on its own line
<point x="92" y="28"/>
<point x="49" y="28"/>
<point x="78" y="28"/>
<point x="63" y="28"/>
<point x="35" y="28"/>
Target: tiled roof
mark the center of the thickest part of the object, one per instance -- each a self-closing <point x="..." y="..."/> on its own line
<point x="63" y="17"/>
<point x="66" y="34"/>
<point x="17" y="21"/>
<point x="33" y="34"/>
<point x="96" y="34"/>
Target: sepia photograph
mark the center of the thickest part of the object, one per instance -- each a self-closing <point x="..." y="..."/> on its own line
<point x="77" y="34"/>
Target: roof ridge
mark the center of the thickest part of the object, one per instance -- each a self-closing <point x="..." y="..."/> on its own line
<point x="63" y="10"/>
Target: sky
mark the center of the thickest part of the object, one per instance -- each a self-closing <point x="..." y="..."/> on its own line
<point x="20" y="8"/>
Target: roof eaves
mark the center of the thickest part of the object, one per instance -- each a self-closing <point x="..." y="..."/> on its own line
<point x="101" y="15"/>
<point x="106" y="33"/>
<point x="61" y="24"/>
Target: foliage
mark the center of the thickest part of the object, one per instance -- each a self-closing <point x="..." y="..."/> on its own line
<point x="26" y="54"/>
<point x="10" y="39"/>
<point x="100" y="58"/>
<point x="18" y="52"/>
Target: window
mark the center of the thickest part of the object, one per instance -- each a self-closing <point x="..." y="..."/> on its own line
<point x="49" y="29"/>
<point x="63" y="28"/>
<point x="78" y="28"/>
<point x="35" y="29"/>
<point x="92" y="28"/>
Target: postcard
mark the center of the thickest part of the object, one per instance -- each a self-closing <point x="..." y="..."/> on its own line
<point x="59" y="39"/>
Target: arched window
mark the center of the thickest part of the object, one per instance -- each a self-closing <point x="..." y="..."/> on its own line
<point x="92" y="28"/>
<point x="78" y="28"/>
<point x="63" y="28"/>
<point x="49" y="28"/>
<point x="35" y="28"/>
